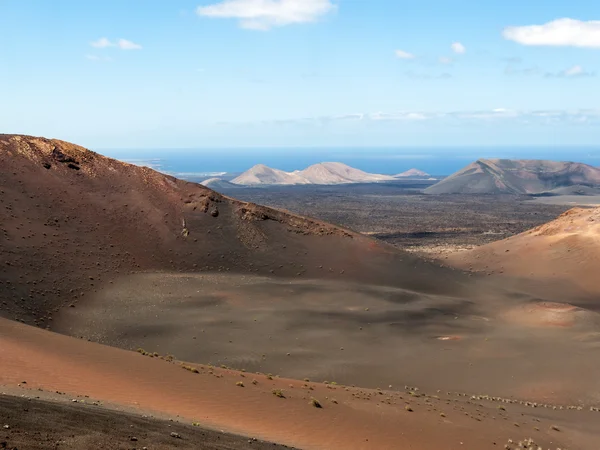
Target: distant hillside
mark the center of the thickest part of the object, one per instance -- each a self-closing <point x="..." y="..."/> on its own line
<point x="564" y="249"/>
<point x="218" y="183"/>
<point x="413" y="173"/>
<point x="505" y="176"/>
<point x="261" y="174"/>
<point x="326" y="173"/>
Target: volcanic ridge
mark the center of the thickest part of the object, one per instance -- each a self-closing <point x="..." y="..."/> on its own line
<point x="494" y="176"/>
<point x="319" y="174"/>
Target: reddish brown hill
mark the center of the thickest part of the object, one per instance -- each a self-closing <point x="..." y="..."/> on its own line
<point x="566" y="250"/>
<point x="71" y="220"/>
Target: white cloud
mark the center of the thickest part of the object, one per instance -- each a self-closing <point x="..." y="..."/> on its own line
<point x="457" y="47"/>
<point x="572" y="72"/>
<point x="404" y="55"/>
<point x="445" y="60"/>
<point x="267" y="14"/>
<point x="349" y="117"/>
<point x="124" y="44"/>
<point x="102" y="43"/>
<point x="560" y="33"/>
<point x="496" y="115"/>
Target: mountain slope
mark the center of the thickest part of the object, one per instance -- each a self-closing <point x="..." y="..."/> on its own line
<point x="566" y="250"/>
<point x="319" y="174"/>
<point x="72" y="220"/>
<point x="493" y="176"/>
<point x="338" y="173"/>
<point x="261" y="174"/>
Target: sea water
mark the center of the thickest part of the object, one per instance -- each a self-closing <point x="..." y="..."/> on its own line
<point x="437" y="161"/>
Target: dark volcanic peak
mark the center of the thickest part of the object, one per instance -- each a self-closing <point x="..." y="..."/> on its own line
<point x="495" y="176"/>
<point x="71" y="220"/>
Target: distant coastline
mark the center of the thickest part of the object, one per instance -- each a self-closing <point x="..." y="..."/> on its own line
<point x="206" y="163"/>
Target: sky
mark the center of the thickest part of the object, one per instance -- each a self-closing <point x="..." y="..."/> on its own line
<point x="293" y="73"/>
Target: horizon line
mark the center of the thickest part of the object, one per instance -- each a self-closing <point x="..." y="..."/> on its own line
<point x="363" y="147"/>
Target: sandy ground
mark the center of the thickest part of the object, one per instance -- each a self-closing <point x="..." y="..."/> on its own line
<point x="571" y="200"/>
<point x="349" y="417"/>
<point x="352" y="334"/>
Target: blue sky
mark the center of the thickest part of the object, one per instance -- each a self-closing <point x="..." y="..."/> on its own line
<point x="208" y="73"/>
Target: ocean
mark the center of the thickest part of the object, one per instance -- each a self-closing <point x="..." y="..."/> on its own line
<point x="204" y="162"/>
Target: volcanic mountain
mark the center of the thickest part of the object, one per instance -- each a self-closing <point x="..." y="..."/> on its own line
<point x="217" y="295"/>
<point x="320" y="174"/>
<point x="413" y="173"/>
<point x="263" y="175"/>
<point x="565" y="251"/>
<point x="494" y="176"/>
<point x="73" y="219"/>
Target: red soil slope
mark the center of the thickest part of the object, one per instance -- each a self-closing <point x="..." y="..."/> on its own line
<point x="566" y="250"/>
<point x="349" y="417"/>
<point x="71" y="220"/>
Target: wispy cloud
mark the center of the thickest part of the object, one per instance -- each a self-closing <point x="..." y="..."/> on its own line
<point x="458" y="48"/>
<point x="526" y="71"/>
<point x="513" y="60"/>
<point x="514" y="67"/>
<point x="349" y="117"/>
<point x="404" y="54"/>
<point x="266" y="14"/>
<point x="559" y="33"/>
<point x="101" y="43"/>
<point x="496" y="115"/>
<point x="445" y="60"/>
<point x="123" y="44"/>
<point x="572" y="72"/>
